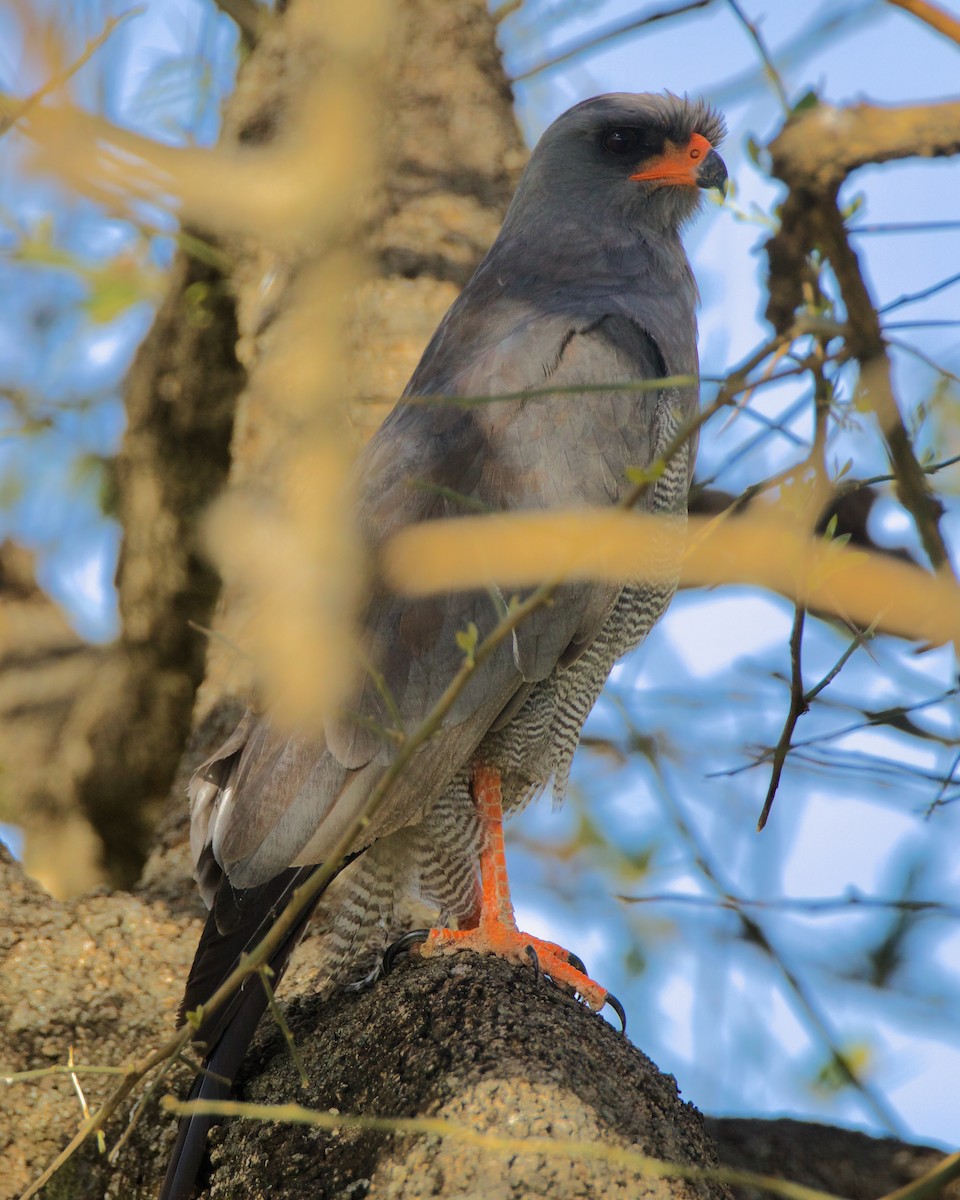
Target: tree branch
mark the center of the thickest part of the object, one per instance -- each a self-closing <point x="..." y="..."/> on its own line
<point x="819" y="148"/>
<point x="932" y="15"/>
<point x="813" y="155"/>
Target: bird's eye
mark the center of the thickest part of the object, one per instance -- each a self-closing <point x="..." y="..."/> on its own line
<point x="621" y="141"/>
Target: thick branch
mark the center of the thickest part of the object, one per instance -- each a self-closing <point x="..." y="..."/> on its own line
<point x="821" y="147"/>
<point x="477" y="1041"/>
<point x="813" y="155"/>
<point x="842" y="1161"/>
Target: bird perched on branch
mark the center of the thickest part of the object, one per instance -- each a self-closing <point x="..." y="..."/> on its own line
<point x="586" y="291"/>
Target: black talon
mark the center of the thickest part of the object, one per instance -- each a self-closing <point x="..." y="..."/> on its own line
<point x="535" y="961"/>
<point x="618" y="1009"/>
<point x="576" y="962"/>
<point x="401" y="946"/>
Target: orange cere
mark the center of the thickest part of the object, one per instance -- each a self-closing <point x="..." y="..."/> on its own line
<point x="677" y="164"/>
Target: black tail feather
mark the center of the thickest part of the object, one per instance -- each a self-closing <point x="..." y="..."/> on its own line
<point x="224" y="1061"/>
<point x="228" y="1032"/>
<point x="249" y="915"/>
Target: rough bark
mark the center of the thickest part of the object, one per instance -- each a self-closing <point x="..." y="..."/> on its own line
<point x="54" y="687"/>
<point x="473" y="1040"/>
<point x="841" y="1161"/>
<point x="93" y="733"/>
<point x="180" y="401"/>
<point x="478" y="1043"/>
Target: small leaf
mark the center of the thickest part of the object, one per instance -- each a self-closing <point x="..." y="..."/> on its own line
<point x="754" y="149"/>
<point x="467" y="640"/>
<point x="806" y="102"/>
<point x="854" y="205"/>
<point x="834" y="1075"/>
<point x="643" y="475"/>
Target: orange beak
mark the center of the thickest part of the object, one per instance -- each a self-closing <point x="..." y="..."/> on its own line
<point x="679" y="164"/>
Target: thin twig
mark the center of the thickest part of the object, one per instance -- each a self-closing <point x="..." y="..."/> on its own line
<point x="814" y="906"/>
<point x="756" y="935"/>
<point x="84" y="1107"/>
<point x="798" y="706"/>
<point x="882" y="769"/>
<point x="925" y="359"/>
<point x="769" y="70"/>
<point x="142" y="1106"/>
<point x="859" y="640"/>
<point x="929" y="469"/>
<point x="17" y="111"/>
<point x="904" y="227"/>
<point x="940" y="799"/>
<point x="608" y="34"/>
<point x="275" y="1011"/>
<point x="932" y="324"/>
<point x="655" y="1168"/>
<point x="799" y="702"/>
<point x="872" y="720"/>
<point x="59" y="1069"/>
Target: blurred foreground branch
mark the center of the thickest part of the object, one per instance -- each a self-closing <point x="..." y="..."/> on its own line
<point x="932" y="15"/>
<point x="762" y="548"/>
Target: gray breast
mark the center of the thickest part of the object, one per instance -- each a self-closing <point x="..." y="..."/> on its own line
<point x="540" y="739"/>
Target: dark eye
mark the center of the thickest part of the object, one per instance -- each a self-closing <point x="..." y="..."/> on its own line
<point x="621" y="141"/>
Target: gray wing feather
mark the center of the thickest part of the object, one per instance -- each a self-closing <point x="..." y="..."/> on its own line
<point x="288" y="798"/>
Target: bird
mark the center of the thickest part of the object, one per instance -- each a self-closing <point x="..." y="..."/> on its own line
<point x="587" y="287"/>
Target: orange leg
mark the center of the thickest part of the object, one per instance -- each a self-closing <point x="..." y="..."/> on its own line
<point x="496" y="931"/>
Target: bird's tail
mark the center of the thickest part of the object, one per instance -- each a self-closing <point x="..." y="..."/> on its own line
<point x="228" y="1031"/>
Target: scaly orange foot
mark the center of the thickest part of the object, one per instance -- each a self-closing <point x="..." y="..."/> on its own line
<point x="496" y="931"/>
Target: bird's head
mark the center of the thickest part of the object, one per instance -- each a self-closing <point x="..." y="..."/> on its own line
<point x="635" y="159"/>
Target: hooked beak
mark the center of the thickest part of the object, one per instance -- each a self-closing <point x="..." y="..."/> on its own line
<point x="695" y="165"/>
<point x="712" y="173"/>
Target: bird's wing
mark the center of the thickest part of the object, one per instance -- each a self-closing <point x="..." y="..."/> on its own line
<point x="286" y="799"/>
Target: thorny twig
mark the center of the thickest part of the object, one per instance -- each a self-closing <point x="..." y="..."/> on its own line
<point x="798" y="706"/>
<point x="756" y="935"/>
<point x="799" y="702"/>
<point x="873" y="719"/>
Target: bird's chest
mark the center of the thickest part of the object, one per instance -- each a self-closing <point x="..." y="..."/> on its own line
<point x="539" y="741"/>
